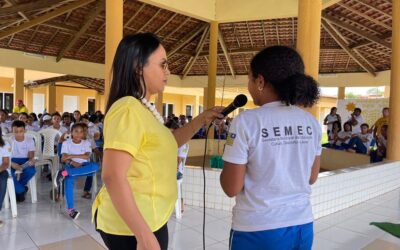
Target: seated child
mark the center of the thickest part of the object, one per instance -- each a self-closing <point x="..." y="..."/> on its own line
<point x="333" y="135"/>
<point x="22" y="159"/>
<point x="75" y="154"/>
<point x="380" y="153"/>
<point x="5" y="153"/>
<point x="360" y="143"/>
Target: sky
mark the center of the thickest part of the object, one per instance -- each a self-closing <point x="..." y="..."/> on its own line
<point x="325" y="91"/>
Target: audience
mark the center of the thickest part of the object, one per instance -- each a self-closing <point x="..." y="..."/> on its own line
<point x="331" y="118"/>
<point x="356" y="120"/>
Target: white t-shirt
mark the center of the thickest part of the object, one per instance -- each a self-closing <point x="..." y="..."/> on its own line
<point x="331" y="118"/>
<point x="71" y="148"/>
<point x="367" y="136"/>
<point x="93" y="129"/>
<point x="5" y="151"/>
<point x="182" y="153"/>
<point x="357" y="128"/>
<point x="20" y="149"/>
<point x="342" y="134"/>
<point x="278" y="144"/>
<point x="5" y="128"/>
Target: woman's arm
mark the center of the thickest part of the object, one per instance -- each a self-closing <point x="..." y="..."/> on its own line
<point x="315" y="169"/>
<point x="184" y="134"/>
<point x="232" y="178"/>
<point x="115" y="167"/>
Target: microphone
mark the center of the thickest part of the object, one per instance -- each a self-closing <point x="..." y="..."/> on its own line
<point x="239" y="101"/>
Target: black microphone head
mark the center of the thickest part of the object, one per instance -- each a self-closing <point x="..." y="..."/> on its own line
<point x="240" y="101"/>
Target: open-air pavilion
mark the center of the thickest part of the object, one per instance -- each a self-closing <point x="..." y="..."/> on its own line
<point x="58" y="48"/>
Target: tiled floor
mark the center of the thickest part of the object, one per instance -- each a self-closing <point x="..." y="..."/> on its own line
<point x="44" y="226"/>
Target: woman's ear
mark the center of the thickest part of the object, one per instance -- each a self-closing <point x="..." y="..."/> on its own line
<point x="260" y="81"/>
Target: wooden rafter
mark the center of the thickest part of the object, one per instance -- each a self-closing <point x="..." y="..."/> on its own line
<point x="334" y="33"/>
<point x="277" y="31"/>
<point x="134" y="16"/>
<point x="48" y="42"/>
<point x="22" y="14"/>
<point x="198" y="50"/>
<point x="37" y="5"/>
<point x="45" y="18"/>
<point x="264" y="33"/>
<point x="251" y="51"/>
<point x="186" y="39"/>
<point x="177" y="28"/>
<point x="355" y="30"/>
<point x="365" y="43"/>
<point x="347" y="18"/>
<point x="226" y="54"/>
<point x="166" y="23"/>
<point x="365" y="16"/>
<point x="32" y="37"/>
<point x="75" y="37"/>
<point x="149" y="21"/>
<point x="374" y="8"/>
<point x="73" y="30"/>
<point x="248" y="32"/>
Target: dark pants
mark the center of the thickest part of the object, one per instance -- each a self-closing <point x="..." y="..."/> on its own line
<point x="27" y="174"/>
<point x="357" y="144"/>
<point x="3" y="186"/>
<point x="118" y="242"/>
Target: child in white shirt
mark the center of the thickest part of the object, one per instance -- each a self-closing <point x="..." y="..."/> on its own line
<point x="22" y="159"/>
<point x="360" y="143"/>
<point x="75" y="154"/>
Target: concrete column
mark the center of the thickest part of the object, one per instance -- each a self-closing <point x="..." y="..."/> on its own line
<point x="28" y="99"/>
<point x="393" y="150"/>
<point x="196" y="106"/>
<point x="212" y="65"/>
<point x="51" y="98"/>
<point x="308" y="38"/>
<point x="114" y="32"/>
<point x="159" y="102"/>
<point x="18" y="84"/>
<point x="341" y="93"/>
<point x="387" y="92"/>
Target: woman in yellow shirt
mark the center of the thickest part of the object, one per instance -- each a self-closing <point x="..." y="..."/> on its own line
<point x="132" y="209"/>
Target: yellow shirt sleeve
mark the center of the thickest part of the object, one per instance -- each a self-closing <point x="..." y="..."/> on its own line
<point x="123" y="128"/>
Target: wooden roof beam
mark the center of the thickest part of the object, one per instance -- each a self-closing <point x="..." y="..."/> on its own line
<point x="166" y="23"/>
<point x="334" y="33"/>
<point x="36" y="5"/>
<point x="75" y="37"/>
<point x="355" y="30"/>
<point x="366" y="43"/>
<point x="198" y="50"/>
<point x="186" y="39"/>
<point x="72" y="29"/>
<point x="134" y="16"/>
<point x="365" y="16"/>
<point x="45" y="18"/>
<point x="226" y="54"/>
<point x="149" y="21"/>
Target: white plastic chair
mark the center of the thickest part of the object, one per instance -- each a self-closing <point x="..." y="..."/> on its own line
<point x="178" y="204"/>
<point x="10" y="196"/>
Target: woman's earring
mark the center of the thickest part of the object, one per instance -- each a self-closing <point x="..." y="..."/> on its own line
<point x="260" y="89"/>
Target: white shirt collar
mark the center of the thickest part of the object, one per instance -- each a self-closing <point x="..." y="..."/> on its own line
<point x="274" y="104"/>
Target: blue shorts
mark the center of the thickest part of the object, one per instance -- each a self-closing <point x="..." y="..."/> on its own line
<point x="287" y="238"/>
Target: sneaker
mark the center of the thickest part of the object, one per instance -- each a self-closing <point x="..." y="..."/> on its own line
<point x="58" y="178"/>
<point x="74" y="214"/>
<point x="20" y="197"/>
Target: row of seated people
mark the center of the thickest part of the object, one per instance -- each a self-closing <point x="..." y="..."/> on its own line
<point x="362" y="142"/>
<point x="75" y="148"/>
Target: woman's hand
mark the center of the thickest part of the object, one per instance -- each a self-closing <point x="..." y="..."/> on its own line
<point x="209" y="115"/>
<point x="148" y="242"/>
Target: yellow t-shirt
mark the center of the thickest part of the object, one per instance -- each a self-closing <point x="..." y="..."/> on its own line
<point x="17" y="109"/>
<point x="131" y="127"/>
<point x="379" y="124"/>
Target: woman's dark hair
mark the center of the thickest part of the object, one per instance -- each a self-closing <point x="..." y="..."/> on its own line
<point x="347" y="123"/>
<point x="283" y="68"/>
<point x="132" y="55"/>
<point x="4" y="111"/>
<point x="93" y="118"/>
<point x="2" y="143"/>
<point x="34" y="116"/>
<point x="333" y="108"/>
<point x="364" y="125"/>
<point x="56" y="114"/>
